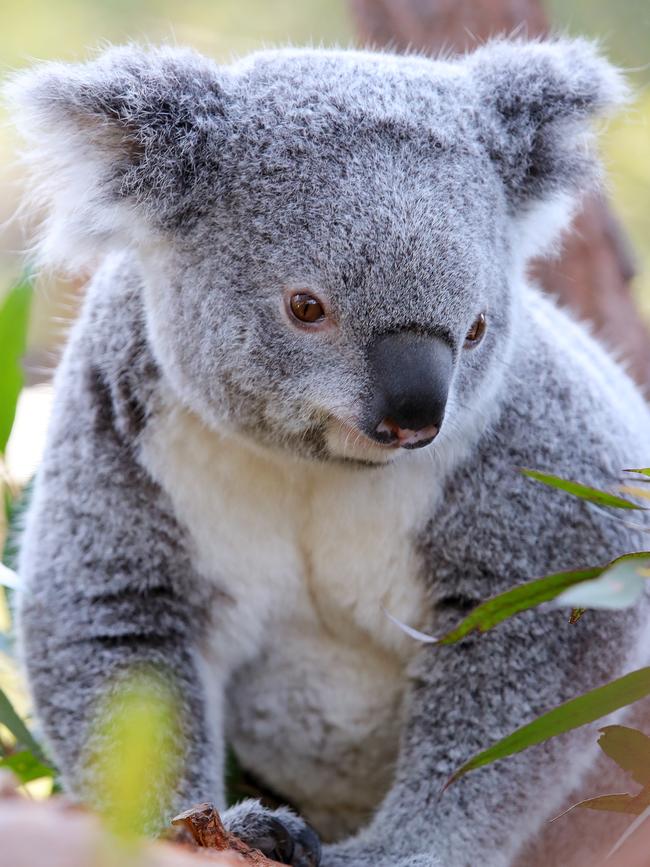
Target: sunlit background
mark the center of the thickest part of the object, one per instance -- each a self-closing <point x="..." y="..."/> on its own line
<point x="66" y="29"/>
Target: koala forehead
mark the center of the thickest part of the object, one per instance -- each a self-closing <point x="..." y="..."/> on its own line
<point x="336" y="131"/>
<point x="362" y="175"/>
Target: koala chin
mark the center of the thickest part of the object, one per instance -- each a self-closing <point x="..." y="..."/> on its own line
<point x="307" y="371"/>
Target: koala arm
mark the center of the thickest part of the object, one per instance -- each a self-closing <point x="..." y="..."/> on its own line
<point x="464" y="697"/>
<point x="109" y="587"/>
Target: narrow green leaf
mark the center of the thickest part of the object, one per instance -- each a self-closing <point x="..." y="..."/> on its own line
<point x="644" y="471"/>
<point x="10" y="719"/>
<point x="584" y="492"/>
<point x="14" y="320"/>
<point x="524" y="596"/>
<point x="26" y="766"/>
<point x="630" y="749"/>
<point x="572" y="714"/>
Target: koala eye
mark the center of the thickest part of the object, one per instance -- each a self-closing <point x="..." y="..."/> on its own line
<point x="306" y="308"/>
<point x="476" y="332"/>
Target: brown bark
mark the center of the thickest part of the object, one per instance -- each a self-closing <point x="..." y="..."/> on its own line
<point x="55" y="833"/>
<point x="594" y="273"/>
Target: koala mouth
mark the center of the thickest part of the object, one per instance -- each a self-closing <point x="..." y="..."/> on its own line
<point x="347" y="441"/>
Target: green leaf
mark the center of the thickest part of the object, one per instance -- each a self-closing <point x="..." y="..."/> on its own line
<point x="524" y="596"/>
<point x="571" y="715"/>
<point x="630" y="749"/>
<point x="576" y="614"/>
<point x="26" y="766"/>
<point x="619" y="586"/>
<point x="584" y="492"/>
<point x="14" y="320"/>
<point x="645" y="471"/>
<point x="10" y="719"/>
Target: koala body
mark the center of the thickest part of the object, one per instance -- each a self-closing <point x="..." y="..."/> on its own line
<point x="237" y="490"/>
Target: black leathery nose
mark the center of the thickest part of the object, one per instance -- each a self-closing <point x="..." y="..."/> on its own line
<point x="411" y="374"/>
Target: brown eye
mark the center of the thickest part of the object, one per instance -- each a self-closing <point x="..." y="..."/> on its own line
<point x="476" y="332"/>
<point x="306" y="308"/>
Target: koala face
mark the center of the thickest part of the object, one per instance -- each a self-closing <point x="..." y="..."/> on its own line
<point x="328" y="293"/>
<point x="332" y="243"/>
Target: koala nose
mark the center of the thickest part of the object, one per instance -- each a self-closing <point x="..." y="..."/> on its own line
<point x="411" y="373"/>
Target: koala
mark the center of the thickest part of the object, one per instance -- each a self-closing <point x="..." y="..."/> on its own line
<point x="308" y="369"/>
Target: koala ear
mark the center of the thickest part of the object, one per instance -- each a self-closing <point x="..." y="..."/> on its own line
<point x="115" y="144"/>
<point x="536" y="101"/>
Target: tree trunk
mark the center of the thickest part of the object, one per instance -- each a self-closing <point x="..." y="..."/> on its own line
<point x="594" y="273"/>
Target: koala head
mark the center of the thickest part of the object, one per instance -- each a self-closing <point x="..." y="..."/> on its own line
<point x="332" y="243"/>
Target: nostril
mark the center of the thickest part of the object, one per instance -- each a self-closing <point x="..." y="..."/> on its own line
<point x="388" y="427"/>
<point x="406" y="437"/>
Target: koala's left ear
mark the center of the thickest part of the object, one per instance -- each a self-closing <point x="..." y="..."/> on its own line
<point x="535" y="104"/>
<point x="116" y="144"/>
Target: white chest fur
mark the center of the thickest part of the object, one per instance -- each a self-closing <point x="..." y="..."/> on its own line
<point x="311" y="555"/>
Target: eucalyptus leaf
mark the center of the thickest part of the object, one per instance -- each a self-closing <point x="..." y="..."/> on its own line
<point x="424" y="637"/>
<point x="630" y="749"/>
<point x="10" y="719"/>
<point x="584" y="492"/>
<point x="14" y="321"/>
<point x="631" y="804"/>
<point x="26" y="766"/>
<point x="586" y="708"/>
<point x="618" y="586"/>
<point x="524" y="596"/>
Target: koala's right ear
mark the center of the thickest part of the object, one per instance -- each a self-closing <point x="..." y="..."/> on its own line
<point x="116" y="144"/>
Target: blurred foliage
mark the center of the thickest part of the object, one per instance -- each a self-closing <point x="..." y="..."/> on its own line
<point x="14" y="319"/>
<point x="627" y="157"/>
<point x="137" y="750"/>
<point x="622" y="27"/>
<point x="65" y="29"/>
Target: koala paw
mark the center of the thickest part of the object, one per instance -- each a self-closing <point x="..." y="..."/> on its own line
<point x="279" y="834"/>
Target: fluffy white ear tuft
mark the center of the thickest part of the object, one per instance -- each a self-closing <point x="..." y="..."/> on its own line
<point x="111" y="145"/>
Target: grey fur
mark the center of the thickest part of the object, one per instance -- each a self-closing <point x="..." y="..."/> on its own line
<point x="411" y="194"/>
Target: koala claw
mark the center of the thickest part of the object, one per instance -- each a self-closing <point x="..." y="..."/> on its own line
<point x="301" y="849"/>
<point x="279" y="834"/>
<point x="307" y="851"/>
<point x="274" y="841"/>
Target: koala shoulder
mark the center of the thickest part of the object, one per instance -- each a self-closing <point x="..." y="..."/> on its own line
<point x="109" y="355"/>
<point x="568" y="409"/>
